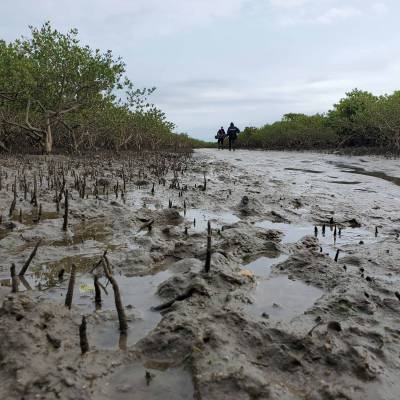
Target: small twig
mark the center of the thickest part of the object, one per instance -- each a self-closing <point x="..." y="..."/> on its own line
<point x="321" y="322"/>
<point x="147" y="225"/>
<point x="260" y="364"/>
<point x="99" y="262"/>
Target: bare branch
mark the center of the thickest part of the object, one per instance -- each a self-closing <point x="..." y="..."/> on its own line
<point x="34" y="132"/>
<point x="10" y="96"/>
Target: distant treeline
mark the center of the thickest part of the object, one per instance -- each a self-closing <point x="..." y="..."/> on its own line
<point x="58" y="95"/>
<point x="360" y="120"/>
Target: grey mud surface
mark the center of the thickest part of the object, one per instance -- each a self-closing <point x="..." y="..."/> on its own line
<point x="276" y="317"/>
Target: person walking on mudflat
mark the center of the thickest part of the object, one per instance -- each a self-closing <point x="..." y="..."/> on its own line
<point x="221" y="136"/>
<point x="232" y="135"/>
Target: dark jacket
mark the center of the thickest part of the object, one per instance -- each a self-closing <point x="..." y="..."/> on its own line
<point x="232" y="132"/>
<point x="221" y="134"/>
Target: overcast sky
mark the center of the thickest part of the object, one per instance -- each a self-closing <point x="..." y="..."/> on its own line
<point x="249" y="61"/>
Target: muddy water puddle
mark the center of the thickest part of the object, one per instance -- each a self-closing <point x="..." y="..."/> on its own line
<point x="387" y="278"/>
<point x="217" y="219"/>
<point x="329" y="242"/>
<point x="33" y="216"/>
<point x="82" y="245"/>
<point x="281" y="298"/>
<point x="262" y="266"/>
<point x="152" y="206"/>
<point x="44" y="277"/>
<point x="97" y="229"/>
<point x="130" y="382"/>
<point x="278" y="297"/>
<point x="138" y="296"/>
<point x="82" y="233"/>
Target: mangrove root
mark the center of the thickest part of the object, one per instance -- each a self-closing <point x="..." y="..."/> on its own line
<point x="70" y="292"/>
<point x="123" y="325"/>
<point x="208" y="254"/>
<point x="83" y="336"/>
<point x="30" y="258"/>
<point x="14" y="280"/>
<point x="97" y="291"/>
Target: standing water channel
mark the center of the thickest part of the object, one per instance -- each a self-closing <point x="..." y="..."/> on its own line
<point x="280" y="298"/>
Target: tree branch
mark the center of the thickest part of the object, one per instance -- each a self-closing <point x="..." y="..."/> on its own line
<point x="10" y="96"/>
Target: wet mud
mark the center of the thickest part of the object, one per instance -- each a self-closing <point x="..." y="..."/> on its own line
<point x="353" y="169"/>
<point x="302" y="300"/>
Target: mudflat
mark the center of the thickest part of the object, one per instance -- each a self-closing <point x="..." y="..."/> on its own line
<point x="302" y="300"/>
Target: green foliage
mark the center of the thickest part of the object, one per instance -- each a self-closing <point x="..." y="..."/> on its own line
<point x="294" y="131"/>
<point x="383" y="116"/>
<point x="358" y="120"/>
<point x="63" y="72"/>
<point x="350" y="118"/>
<point x="15" y="69"/>
<point x="54" y="89"/>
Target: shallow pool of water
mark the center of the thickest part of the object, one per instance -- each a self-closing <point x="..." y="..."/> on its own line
<point x="32" y="217"/>
<point x="217" y="219"/>
<point x="262" y="266"/>
<point x="281" y="298"/>
<point x="278" y="297"/>
<point x="291" y="233"/>
<point x="138" y="295"/>
<point x="129" y="382"/>
<point x="328" y="241"/>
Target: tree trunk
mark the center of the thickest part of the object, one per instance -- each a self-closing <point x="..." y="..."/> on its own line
<point x="397" y="139"/>
<point x="48" y="144"/>
<point x="74" y="141"/>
